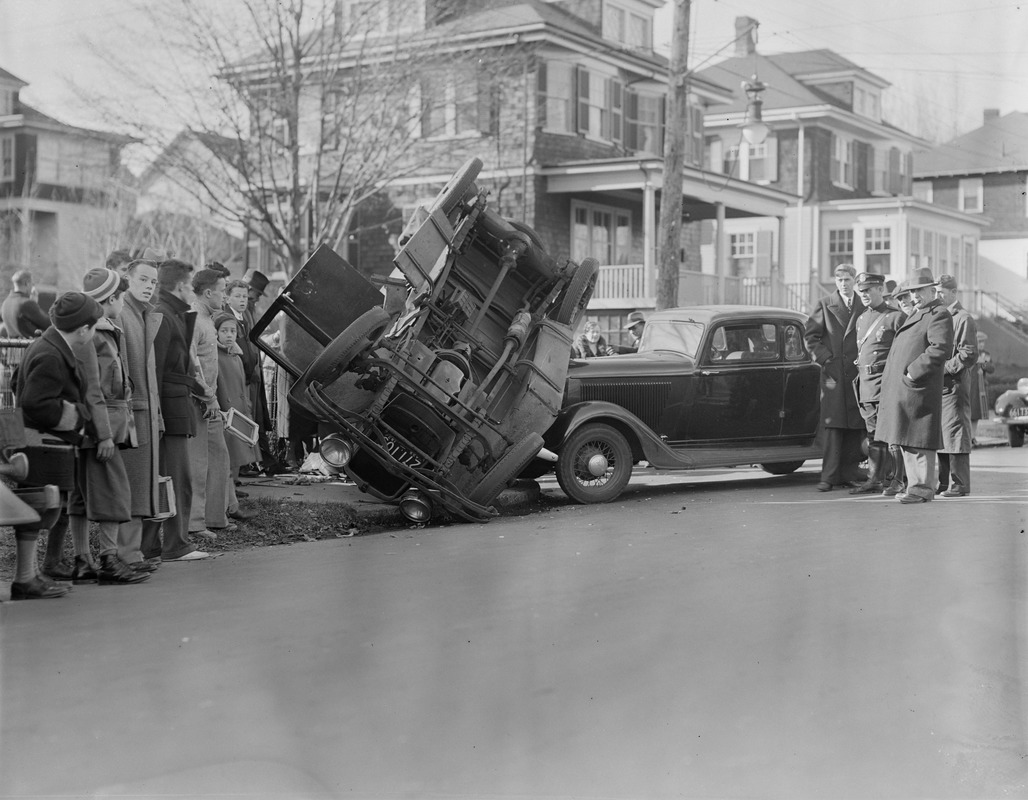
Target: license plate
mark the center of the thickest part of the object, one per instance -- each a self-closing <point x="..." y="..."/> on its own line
<point x="1019" y="412"/>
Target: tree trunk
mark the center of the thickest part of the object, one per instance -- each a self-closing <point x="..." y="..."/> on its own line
<point x="674" y="161"/>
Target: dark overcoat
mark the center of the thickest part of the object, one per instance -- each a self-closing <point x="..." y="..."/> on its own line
<point x="176" y="372"/>
<point x="49" y="376"/>
<point x="910" y="410"/>
<point x="959" y="382"/>
<point x="831" y="335"/>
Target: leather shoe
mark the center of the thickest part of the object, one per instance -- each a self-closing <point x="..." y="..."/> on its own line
<point x="39" y="588"/>
<point x="955" y="493"/>
<point x="195" y="555"/>
<point x="911" y="499"/>
<point x="867" y="487"/>
<point x="227" y="529"/>
<point x="892" y="489"/>
<point x="241" y="515"/>
<point x="113" y="570"/>
<point x="241" y="493"/>
<point x="210" y="536"/>
<point x="83" y="570"/>
<point x="63" y="570"/>
<point x="142" y="566"/>
<point x="824" y="486"/>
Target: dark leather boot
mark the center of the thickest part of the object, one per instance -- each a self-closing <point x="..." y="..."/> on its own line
<point x="83" y="570"/>
<point x="39" y="588"/>
<point x="62" y="570"/>
<point x="114" y="570"/>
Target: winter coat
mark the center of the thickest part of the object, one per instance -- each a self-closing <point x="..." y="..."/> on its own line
<point x="583" y="348"/>
<point x="113" y="380"/>
<point x="959" y="382"/>
<point x="876" y="330"/>
<point x="176" y="374"/>
<point x="22" y="316"/>
<point x="51" y="389"/>
<point x="910" y="410"/>
<point x="233" y="393"/>
<point x="831" y="335"/>
<point x="139" y="323"/>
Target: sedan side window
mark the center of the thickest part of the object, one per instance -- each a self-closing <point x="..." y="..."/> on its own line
<point x="795" y="350"/>
<point x="755" y="342"/>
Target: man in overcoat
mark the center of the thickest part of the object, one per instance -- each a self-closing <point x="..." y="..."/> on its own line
<point x="831" y="335"/>
<point x="910" y="409"/>
<point x="876" y="329"/>
<point x="960" y="377"/>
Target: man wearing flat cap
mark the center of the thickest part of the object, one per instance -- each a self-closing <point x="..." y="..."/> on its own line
<point x="910" y="410"/>
<point x="831" y="335"/>
<point x="876" y="329"/>
<point x="961" y="369"/>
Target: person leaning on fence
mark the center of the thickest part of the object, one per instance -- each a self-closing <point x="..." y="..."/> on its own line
<point x="102" y="493"/>
<point x="21" y="314"/>
<point x="51" y="394"/>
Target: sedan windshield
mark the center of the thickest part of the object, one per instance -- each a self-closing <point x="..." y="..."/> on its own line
<point x="676" y="336"/>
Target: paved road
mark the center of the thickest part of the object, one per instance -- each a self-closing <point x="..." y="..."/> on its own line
<point x="705" y="637"/>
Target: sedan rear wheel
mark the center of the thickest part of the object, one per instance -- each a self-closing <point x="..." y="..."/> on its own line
<point x="1015" y="435"/>
<point x="595" y="464"/>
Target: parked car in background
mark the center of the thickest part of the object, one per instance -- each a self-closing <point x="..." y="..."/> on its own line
<point x="1012" y="408"/>
<point x="717" y="386"/>
<point x="438" y="400"/>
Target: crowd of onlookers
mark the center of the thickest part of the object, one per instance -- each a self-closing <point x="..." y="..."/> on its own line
<point x="126" y="392"/>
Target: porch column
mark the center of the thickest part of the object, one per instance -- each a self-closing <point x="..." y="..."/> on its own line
<point x="776" y="266"/>
<point x="721" y="253"/>
<point x="649" y="239"/>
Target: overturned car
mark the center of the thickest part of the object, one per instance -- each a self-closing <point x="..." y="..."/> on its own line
<point x="438" y="401"/>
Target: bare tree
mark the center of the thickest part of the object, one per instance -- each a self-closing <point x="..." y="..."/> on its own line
<point x="304" y="112"/>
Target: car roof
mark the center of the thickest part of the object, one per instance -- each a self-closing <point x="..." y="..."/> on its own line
<point x="713" y="314"/>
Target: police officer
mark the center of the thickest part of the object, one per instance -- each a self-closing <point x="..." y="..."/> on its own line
<point x="876" y="328"/>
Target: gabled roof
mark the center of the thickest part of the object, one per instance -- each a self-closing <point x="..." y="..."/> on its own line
<point x="782" y="73"/>
<point x="224" y="148"/>
<point x="1000" y="145"/>
<point x="7" y="76"/>
<point x="29" y="117"/>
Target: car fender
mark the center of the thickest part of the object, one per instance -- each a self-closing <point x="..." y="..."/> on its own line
<point x="1009" y="399"/>
<point x="646" y="445"/>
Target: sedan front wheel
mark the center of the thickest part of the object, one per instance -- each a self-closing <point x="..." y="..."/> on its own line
<point x="594" y="464"/>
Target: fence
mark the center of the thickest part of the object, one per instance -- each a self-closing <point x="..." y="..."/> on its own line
<point x="11" y="353"/>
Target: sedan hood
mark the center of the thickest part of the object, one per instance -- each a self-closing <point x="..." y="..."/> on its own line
<point x="652" y="363"/>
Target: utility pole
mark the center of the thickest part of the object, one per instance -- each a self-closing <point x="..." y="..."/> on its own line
<point x="675" y="130"/>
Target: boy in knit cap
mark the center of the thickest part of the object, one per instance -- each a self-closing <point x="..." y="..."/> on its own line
<point x="102" y="493"/>
<point x="51" y="393"/>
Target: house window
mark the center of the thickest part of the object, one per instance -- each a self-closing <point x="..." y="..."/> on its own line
<point x="955" y="257"/>
<point x="842" y="161"/>
<point x="626" y="27"/>
<point x="6" y="102"/>
<point x="593" y="111"/>
<point x="878" y="250"/>
<point x="923" y="190"/>
<point x="840" y="248"/>
<point x="970" y="196"/>
<point x="452" y="107"/>
<point x="943" y="254"/>
<point x="929" y="249"/>
<point x="761" y="162"/>
<point x="731" y="160"/>
<point x="644" y="122"/>
<point x="600" y="232"/>
<point x="556" y="94"/>
<point x="743" y="254"/>
<point x="7" y="158"/>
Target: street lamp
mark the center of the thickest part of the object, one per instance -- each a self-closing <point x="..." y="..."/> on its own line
<point x="754" y="129"/>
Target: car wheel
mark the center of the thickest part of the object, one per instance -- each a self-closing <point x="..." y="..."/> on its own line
<point x="579" y="290"/>
<point x="533" y="237"/>
<point x="1015" y="435"/>
<point x="457" y="187"/>
<point x="358" y="336"/>
<point x="594" y="464"/>
<point x="782" y="468"/>
<point x="506" y="469"/>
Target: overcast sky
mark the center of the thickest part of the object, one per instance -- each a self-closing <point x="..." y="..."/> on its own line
<point x="947" y="59"/>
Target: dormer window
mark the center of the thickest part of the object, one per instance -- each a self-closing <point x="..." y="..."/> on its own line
<point x="6" y="102"/>
<point x="627" y="27"/>
<point x="866" y="103"/>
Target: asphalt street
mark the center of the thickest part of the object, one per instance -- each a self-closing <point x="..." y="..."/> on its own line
<point x="714" y="634"/>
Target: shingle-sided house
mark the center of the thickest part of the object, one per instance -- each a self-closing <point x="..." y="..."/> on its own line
<point x="850" y="168"/>
<point x="570" y="129"/>
<point x="985" y="173"/>
<point x="55" y="193"/>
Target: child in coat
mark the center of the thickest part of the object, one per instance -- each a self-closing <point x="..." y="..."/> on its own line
<point x="233" y="393"/>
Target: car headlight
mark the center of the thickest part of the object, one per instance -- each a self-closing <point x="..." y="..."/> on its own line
<point x="336" y="450"/>
<point x="415" y="506"/>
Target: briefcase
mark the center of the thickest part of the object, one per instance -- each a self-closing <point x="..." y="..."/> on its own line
<point x="165" y="500"/>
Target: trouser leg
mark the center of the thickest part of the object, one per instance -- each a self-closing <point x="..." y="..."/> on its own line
<point x="960" y="471"/>
<point x="196" y="455"/>
<point x="943" y="471"/>
<point x="176" y="466"/>
<point x="921" y="471"/>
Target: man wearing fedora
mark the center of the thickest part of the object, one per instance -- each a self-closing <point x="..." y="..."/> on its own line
<point x="831" y="335"/>
<point x="910" y="411"/>
<point x="876" y="329"/>
<point x="955" y="453"/>
<point x="635" y="325"/>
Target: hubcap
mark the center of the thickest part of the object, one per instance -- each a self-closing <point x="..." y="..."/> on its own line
<point x="596" y="465"/>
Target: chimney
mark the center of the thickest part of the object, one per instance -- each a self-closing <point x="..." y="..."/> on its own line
<point x="744" y="36"/>
<point x="991" y="115"/>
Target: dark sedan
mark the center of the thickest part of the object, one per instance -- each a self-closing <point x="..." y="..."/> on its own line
<point x="716" y="386"/>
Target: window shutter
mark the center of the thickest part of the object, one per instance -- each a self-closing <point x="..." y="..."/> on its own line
<point x="616" y="105"/>
<point x="908" y="188"/>
<point x="772" y="159"/>
<point x="894" y="167"/>
<point x="540" y="94"/>
<point x="631" y="117"/>
<point x="871" y="154"/>
<point x="582" y="100"/>
<point x="762" y="260"/>
<point x="662" y="110"/>
<point x="715" y="152"/>
<point x="835" y="174"/>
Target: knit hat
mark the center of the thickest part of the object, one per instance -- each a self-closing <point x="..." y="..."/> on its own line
<point x="72" y="310"/>
<point x="224" y="316"/>
<point x="100" y="283"/>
